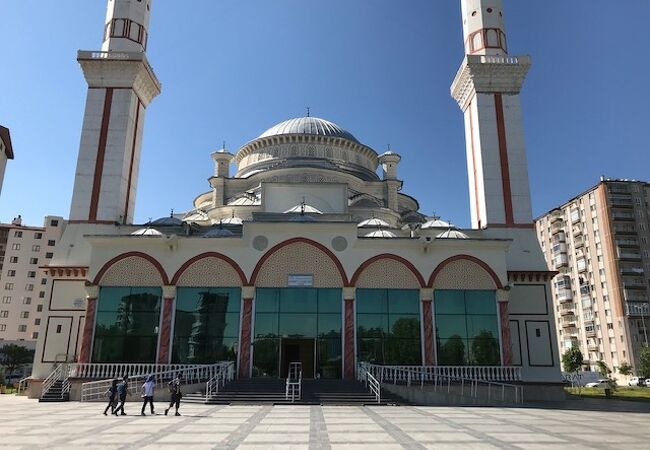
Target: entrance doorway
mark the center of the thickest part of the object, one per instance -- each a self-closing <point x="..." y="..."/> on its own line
<point x="298" y="350"/>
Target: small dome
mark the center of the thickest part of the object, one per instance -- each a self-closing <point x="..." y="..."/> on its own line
<point x="196" y="216"/>
<point x="218" y="232"/>
<point x="452" y="234"/>
<point x="309" y="125"/>
<point x="373" y="223"/>
<point x="146" y="232"/>
<point x="298" y="209"/>
<point x="436" y="223"/>
<point x="167" y="221"/>
<point x="381" y="234"/>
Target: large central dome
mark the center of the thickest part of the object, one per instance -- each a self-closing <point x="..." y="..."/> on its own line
<point x="309" y="125"/>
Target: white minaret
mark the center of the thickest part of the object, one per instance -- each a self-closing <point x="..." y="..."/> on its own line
<point x="487" y="89"/>
<point x="121" y="84"/>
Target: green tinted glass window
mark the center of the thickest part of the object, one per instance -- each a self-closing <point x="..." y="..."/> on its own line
<point x="126" y="327"/>
<point x="267" y="300"/>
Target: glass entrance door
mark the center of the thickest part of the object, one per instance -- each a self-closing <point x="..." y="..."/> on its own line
<point x="296" y="322"/>
<point x="298" y="350"/>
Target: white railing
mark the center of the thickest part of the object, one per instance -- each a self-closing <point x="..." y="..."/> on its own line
<point x="225" y="373"/>
<point x="294" y="382"/>
<point x="370" y="381"/>
<point x="23" y="385"/>
<point x="482" y="373"/>
<point x="452" y="381"/>
<point x="56" y="375"/>
<point x="190" y="374"/>
<point x="118" y="370"/>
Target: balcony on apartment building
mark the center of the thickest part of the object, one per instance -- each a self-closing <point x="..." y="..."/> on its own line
<point x="623" y="216"/>
<point x="590" y="331"/>
<point x="564" y="295"/>
<point x="628" y="254"/>
<point x="574" y="215"/>
<point x="561" y="260"/>
<point x="632" y="271"/>
<point x="578" y="241"/>
<point x="623" y="229"/>
<point x="558" y="248"/>
<point x="621" y="201"/>
<point x="567" y="309"/>
<point x="637" y="309"/>
<point x="627" y="243"/>
<point x="569" y="321"/>
<point x="634" y="296"/>
<point x="593" y="347"/>
<point x="634" y="283"/>
<point x="558" y="238"/>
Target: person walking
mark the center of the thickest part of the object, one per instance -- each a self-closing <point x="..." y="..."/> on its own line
<point x="122" y="390"/>
<point x="176" y="395"/>
<point x="147" y="394"/>
<point x="111" y="392"/>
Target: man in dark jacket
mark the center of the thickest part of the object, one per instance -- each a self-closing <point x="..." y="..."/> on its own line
<point x="176" y="395"/>
<point x="122" y="390"/>
<point x="111" y="392"/>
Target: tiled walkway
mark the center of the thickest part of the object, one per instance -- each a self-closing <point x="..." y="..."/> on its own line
<point x="27" y="424"/>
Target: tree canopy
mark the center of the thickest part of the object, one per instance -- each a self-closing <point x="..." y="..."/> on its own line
<point x="13" y="356"/>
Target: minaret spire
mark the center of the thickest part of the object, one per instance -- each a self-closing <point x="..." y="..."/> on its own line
<point x="487" y="89"/>
<point x="121" y="84"/>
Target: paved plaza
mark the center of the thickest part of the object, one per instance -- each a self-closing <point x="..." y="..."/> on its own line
<point x="27" y="424"/>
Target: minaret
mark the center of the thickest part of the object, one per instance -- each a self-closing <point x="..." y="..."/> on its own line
<point x="487" y="89"/>
<point x="121" y="84"/>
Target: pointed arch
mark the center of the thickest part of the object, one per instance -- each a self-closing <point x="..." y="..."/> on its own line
<point x="392" y="257"/>
<point x="179" y="273"/>
<point x="296" y="240"/>
<point x="470" y="258"/>
<point x="159" y="268"/>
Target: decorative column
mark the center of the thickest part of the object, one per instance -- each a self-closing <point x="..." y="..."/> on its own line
<point x="426" y="297"/>
<point x="92" y="293"/>
<point x="166" y="329"/>
<point x="503" y="297"/>
<point x="349" y="360"/>
<point x="245" y="341"/>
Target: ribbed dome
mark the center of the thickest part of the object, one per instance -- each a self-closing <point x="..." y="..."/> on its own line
<point x="309" y="125"/>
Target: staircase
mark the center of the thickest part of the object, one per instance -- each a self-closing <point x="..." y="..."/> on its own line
<point x="55" y="393"/>
<point x="272" y="391"/>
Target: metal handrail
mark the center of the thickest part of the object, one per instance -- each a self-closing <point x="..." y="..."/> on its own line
<point x="294" y="381"/>
<point x="118" y="370"/>
<point x="429" y="375"/>
<point x="56" y="375"/>
<point x="224" y="374"/>
<point x="22" y="385"/>
<point x="95" y="390"/>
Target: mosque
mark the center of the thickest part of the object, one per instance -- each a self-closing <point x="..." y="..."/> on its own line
<point x="304" y="253"/>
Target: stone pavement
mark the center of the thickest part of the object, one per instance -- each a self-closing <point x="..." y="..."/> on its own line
<point x="27" y="424"/>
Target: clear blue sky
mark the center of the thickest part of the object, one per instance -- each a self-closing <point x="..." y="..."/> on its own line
<point x="380" y="68"/>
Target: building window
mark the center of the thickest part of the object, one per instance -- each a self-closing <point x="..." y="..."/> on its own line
<point x="18" y="234"/>
<point x="29" y="287"/>
<point x="39" y="308"/>
<point x="49" y="255"/>
<point x="27" y="300"/>
<point x="13" y="259"/>
<point x="6" y="299"/>
<point x="11" y="273"/>
<point x="38" y="235"/>
<point x="37" y="322"/>
<point x="31" y="274"/>
<point x="59" y="328"/>
<point x="54" y="223"/>
<point x="15" y="246"/>
<point x="467" y="328"/>
<point x="4" y="314"/>
<point x="35" y="335"/>
<point x="33" y="260"/>
<point x="43" y="281"/>
<point x="24" y="314"/>
<point x="41" y="294"/>
<point x="206" y="325"/>
<point x="51" y="243"/>
<point x="3" y="327"/>
<point x="9" y="286"/>
<point x="126" y="328"/>
<point x="36" y="248"/>
<point x="22" y="328"/>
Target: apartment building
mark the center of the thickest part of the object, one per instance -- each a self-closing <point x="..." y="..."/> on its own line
<point x="24" y="288"/>
<point x="599" y="244"/>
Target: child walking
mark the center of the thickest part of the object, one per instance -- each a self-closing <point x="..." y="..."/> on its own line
<point x="111" y="392"/>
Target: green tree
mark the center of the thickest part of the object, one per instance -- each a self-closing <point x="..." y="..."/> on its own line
<point x="625" y="369"/>
<point x="572" y="362"/>
<point x="14" y="356"/>
<point x="452" y="352"/>
<point x="603" y="369"/>
<point x="644" y="362"/>
<point x="485" y="349"/>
